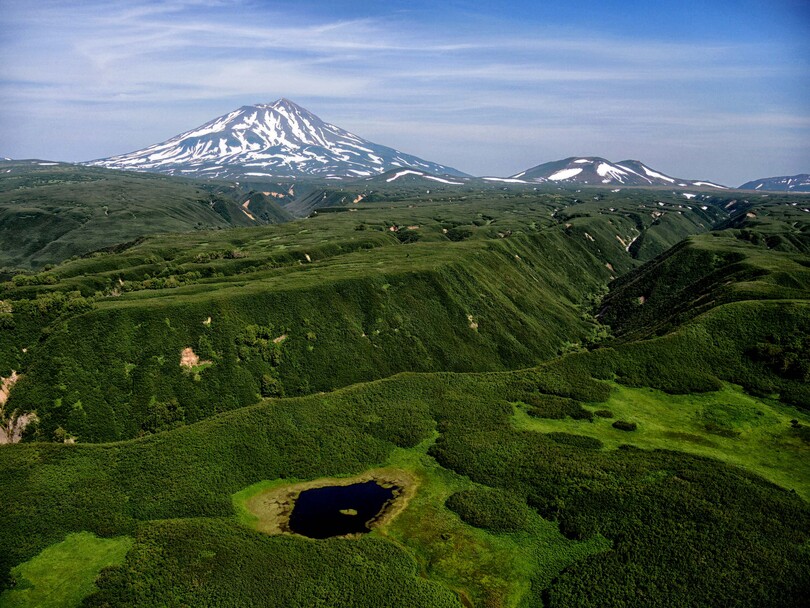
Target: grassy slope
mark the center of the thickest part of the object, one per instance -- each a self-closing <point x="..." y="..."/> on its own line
<point x="728" y="424"/>
<point x="704" y="272"/>
<point x="64" y="574"/>
<point x="192" y="472"/>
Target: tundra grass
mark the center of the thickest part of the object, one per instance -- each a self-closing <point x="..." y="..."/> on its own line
<point x="240" y="499"/>
<point x="62" y="575"/>
<point x="50" y="213"/>
<point x="730" y="425"/>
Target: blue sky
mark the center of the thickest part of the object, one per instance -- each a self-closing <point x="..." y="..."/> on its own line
<point x="698" y="89"/>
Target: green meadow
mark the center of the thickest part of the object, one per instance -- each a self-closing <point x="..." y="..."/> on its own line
<point x="753" y="433"/>
<point x="65" y="573"/>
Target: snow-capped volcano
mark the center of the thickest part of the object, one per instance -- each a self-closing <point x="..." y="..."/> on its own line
<point x="597" y="171"/>
<point x="280" y="139"/>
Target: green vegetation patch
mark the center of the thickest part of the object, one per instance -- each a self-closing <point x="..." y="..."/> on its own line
<point x="354" y="305"/>
<point x="452" y="528"/>
<point x="581" y="441"/>
<point x="213" y="562"/>
<point x="65" y="573"/>
<point x="751" y="432"/>
<point x="552" y="406"/>
<point x="491" y="509"/>
<point x="527" y="495"/>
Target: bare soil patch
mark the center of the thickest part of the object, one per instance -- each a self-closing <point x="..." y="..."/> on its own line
<point x="189" y="359"/>
<point x="12" y="424"/>
<point x="13" y="430"/>
<point x="6" y="384"/>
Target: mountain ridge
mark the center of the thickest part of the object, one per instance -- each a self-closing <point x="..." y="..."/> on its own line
<point x="783" y="183"/>
<point x="595" y="170"/>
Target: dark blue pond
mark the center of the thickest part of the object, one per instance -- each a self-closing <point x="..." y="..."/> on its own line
<point x="338" y="510"/>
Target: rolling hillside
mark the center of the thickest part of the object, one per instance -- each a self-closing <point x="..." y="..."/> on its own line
<point x="586" y="390"/>
<point x="53" y="211"/>
<point x="433" y="287"/>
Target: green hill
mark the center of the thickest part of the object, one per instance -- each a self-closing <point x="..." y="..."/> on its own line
<point x="53" y="211"/>
<point x="595" y="398"/>
<point x="311" y="306"/>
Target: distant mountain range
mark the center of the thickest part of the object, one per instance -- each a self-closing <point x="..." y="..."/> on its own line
<point x="280" y="139"/>
<point x="597" y="171"/>
<point x="787" y="183"/>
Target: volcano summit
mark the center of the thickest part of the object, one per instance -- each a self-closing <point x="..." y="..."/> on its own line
<point x="280" y="139"/>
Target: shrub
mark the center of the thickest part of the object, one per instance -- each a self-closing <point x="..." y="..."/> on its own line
<point x="623" y="425"/>
<point x="491" y="509"/>
<point x="603" y="413"/>
<point x="272" y="386"/>
<point x="722" y="431"/>
<point x="580" y="441"/>
<point x="556" y="408"/>
<point x="800" y="430"/>
<point x="408" y="236"/>
<point x="459" y="233"/>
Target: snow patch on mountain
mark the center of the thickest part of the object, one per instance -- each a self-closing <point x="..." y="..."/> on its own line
<point x="709" y="185"/>
<point x="611" y="172"/>
<point x="434" y="178"/>
<point x="401" y="174"/>
<point x="506" y="180"/>
<point x="657" y="175"/>
<point x="564" y="174"/>
<point x="785" y="183"/>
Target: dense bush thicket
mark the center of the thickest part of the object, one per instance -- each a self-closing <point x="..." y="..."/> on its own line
<point x="696" y="275"/>
<point x="678" y="523"/>
<point x="694" y="357"/>
<point x="353" y="305"/>
<point x="491" y="509"/>
<point x="192" y="471"/>
<point x="236" y="567"/>
<point x="581" y="441"/>
<point x="50" y="213"/>
<point x="551" y="406"/>
<point x="660" y="509"/>
<point x="108" y="373"/>
<point x="787" y="356"/>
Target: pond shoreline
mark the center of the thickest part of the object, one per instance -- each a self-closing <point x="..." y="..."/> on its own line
<point x="273" y="507"/>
